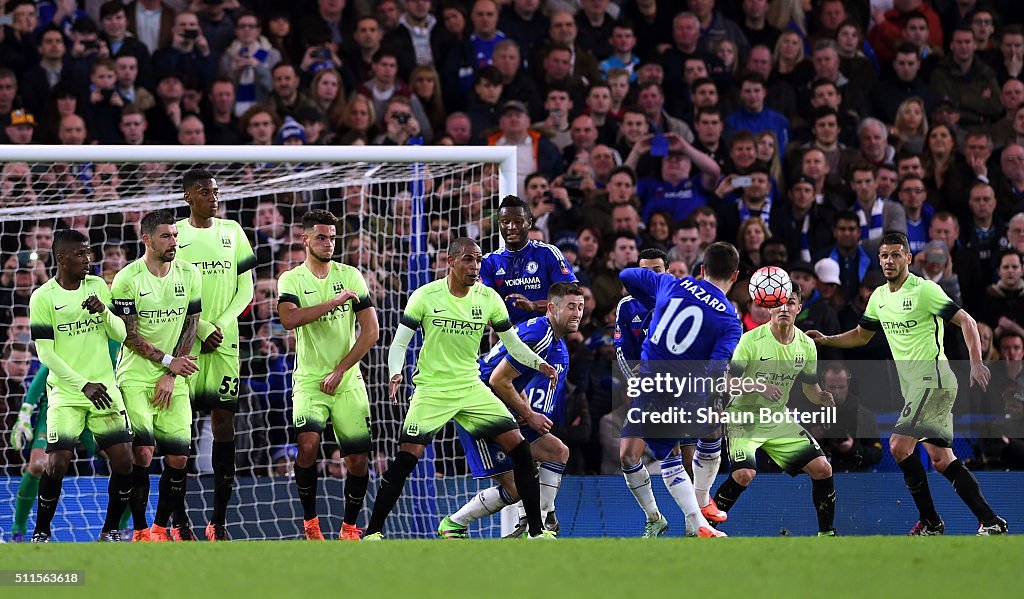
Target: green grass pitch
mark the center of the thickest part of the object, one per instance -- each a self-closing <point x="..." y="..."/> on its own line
<point x="863" y="567"/>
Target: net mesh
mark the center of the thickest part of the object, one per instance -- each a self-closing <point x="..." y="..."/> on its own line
<point x="395" y="221"/>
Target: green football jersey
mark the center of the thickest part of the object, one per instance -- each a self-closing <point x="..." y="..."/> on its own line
<point x="321" y="344"/>
<point x="221" y="253"/>
<point x="162" y="304"/>
<point x="57" y="314"/>
<point x="453" y="328"/>
<point x="760" y="357"/>
<point x="912" y="319"/>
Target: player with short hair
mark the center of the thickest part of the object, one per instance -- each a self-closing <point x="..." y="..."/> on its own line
<point x="322" y="300"/>
<point x="908" y="310"/>
<point x="69" y="320"/>
<point x="220" y="250"/>
<point x="523" y="271"/>
<point x="692" y="325"/>
<point x="536" y="400"/>
<point x="632" y="323"/>
<point x="777" y="355"/>
<point x="454" y="313"/>
<point x="159" y="298"/>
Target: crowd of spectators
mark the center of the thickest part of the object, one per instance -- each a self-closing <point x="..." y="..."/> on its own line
<point x="800" y="130"/>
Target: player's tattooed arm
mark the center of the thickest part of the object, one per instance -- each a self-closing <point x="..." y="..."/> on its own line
<point x="187" y="336"/>
<point x="136" y="343"/>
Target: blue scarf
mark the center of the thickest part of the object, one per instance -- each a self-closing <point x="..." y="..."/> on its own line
<point x="745" y="212"/>
<point x="876" y="227"/>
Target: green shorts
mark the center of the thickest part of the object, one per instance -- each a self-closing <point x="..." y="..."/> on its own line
<point x="476" y="408"/>
<point x="67" y="419"/>
<point x="927" y="415"/>
<point x="788" y="444"/>
<point x="169" y="429"/>
<point x="216" y="383"/>
<point x="349" y="412"/>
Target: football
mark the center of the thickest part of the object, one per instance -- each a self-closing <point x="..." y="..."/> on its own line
<point x="770" y="287"/>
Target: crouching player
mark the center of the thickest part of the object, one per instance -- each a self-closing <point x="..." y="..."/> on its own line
<point x="536" y="400"/>
<point x="777" y="355"/>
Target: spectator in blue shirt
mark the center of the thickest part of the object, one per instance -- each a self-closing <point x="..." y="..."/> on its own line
<point x="678" y="191"/>
<point x="753" y="116"/>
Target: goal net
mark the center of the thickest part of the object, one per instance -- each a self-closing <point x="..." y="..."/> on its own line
<point x="398" y="208"/>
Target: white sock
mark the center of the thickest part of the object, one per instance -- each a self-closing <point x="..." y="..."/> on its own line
<point x="638" y="479"/>
<point x="550" y="479"/>
<point x="485" y="503"/>
<point x="679" y="486"/>
<point x="706" y="461"/>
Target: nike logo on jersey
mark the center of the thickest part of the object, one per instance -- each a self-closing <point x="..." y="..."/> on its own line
<point x="59" y="307"/>
<point x="144" y="294"/>
<point x="763" y="359"/>
<point x="436" y="311"/>
<point x="308" y="292"/>
<point x="184" y="245"/>
<point x="881" y="305"/>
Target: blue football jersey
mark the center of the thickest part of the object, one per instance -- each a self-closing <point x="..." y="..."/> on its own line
<point x="692" y="320"/>
<point x="529" y="271"/>
<point x="632" y="323"/>
<point x="537" y="334"/>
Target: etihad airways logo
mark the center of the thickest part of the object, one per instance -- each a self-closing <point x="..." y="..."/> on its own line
<point x="458" y="327"/>
<point x="80" y="326"/>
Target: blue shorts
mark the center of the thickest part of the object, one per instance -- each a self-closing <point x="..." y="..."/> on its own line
<point x="486" y="459"/>
<point x="660" y="447"/>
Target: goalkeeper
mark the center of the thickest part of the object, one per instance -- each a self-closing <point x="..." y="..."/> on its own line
<point x="24" y="433"/>
<point x="454" y="313"/>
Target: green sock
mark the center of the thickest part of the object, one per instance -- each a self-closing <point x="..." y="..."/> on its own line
<point x="125" y="518"/>
<point x="28" y="490"/>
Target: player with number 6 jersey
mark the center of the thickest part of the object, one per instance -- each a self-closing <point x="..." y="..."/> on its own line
<point x="910" y="311"/>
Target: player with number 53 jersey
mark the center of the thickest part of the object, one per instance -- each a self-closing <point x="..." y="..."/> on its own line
<point x="219" y="249"/>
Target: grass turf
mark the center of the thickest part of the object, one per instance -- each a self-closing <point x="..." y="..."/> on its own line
<point x="593" y="568"/>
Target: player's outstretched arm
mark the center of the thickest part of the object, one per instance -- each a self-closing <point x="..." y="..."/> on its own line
<point x="369" y="333"/>
<point x="501" y="381"/>
<point x="855" y="337"/>
<point x="396" y="357"/>
<point x="523" y="354"/>
<point x="969" y="327"/>
<point x="641" y="283"/>
<point x="293" y="317"/>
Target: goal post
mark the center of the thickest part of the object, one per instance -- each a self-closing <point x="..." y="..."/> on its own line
<point x="397" y="207"/>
